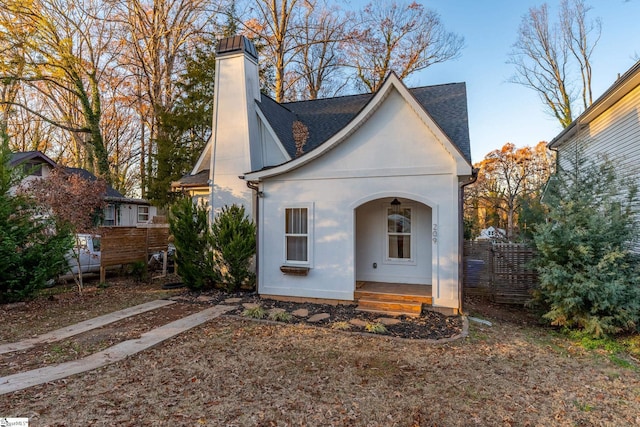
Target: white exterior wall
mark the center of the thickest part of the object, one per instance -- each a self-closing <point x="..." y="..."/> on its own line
<point x="393" y="154"/>
<point x="129" y="215"/>
<point x="235" y="128"/>
<point x="615" y="134"/>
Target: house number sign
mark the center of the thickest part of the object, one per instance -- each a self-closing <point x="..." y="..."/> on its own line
<point x="434" y="233"/>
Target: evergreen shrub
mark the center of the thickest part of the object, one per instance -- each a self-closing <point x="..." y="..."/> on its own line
<point x="192" y="239"/>
<point x="234" y="245"/>
<point x="589" y="277"/>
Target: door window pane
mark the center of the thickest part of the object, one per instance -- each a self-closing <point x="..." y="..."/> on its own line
<point x="399" y="233"/>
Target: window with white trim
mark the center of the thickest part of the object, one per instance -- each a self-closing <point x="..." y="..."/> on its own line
<point x="143" y="213"/>
<point x="297" y="235"/>
<point x="109" y="216"/>
<point x="399" y="240"/>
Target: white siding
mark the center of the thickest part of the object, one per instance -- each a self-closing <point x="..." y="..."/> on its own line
<point x="614" y="134"/>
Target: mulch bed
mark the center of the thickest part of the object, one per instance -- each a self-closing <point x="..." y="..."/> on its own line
<point x="429" y="326"/>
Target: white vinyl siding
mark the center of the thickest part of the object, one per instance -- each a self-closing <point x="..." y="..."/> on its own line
<point x="614" y="134"/>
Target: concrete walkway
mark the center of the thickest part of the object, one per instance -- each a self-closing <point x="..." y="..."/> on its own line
<point x="112" y="354"/>
<point x="87" y="325"/>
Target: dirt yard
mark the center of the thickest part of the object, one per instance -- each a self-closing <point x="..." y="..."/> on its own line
<point x="239" y="372"/>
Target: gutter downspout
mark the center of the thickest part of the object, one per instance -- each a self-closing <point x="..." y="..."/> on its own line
<point x="474" y="178"/>
<point x="253" y="185"/>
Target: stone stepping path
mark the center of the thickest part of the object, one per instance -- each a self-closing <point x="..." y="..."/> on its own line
<point x="110" y="355"/>
<point x="78" y="328"/>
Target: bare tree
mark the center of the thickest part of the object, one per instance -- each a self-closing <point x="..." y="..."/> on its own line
<point x="320" y="57"/>
<point x="578" y="33"/>
<point x="400" y="37"/>
<point x="160" y="34"/>
<point x="273" y="25"/>
<point x="545" y="55"/>
<point x="62" y="52"/>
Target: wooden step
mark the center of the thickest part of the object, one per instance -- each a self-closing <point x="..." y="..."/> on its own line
<point x="383" y="296"/>
<point x="390" y="307"/>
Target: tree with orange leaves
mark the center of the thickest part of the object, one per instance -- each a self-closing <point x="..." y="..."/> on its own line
<point x="508" y="178"/>
<point x="75" y="202"/>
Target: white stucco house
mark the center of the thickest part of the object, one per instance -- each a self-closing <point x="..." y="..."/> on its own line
<point x="373" y="195"/>
<point x="119" y="211"/>
<point x="608" y="129"/>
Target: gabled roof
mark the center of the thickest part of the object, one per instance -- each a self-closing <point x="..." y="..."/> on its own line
<point x="622" y="86"/>
<point x="26" y="156"/>
<point x="201" y="179"/>
<point x="111" y="195"/>
<point x="329" y="121"/>
<point x="446" y="104"/>
<point x="86" y="175"/>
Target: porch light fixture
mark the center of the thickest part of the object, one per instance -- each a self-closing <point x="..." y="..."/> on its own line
<point x="395" y="205"/>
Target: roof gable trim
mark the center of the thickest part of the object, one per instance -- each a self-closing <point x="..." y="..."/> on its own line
<point x="269" y="129"/>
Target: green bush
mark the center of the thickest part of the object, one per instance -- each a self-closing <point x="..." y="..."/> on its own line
<point x="256" y="312"/>
<point x="234" y="244"/>
<point x="589" y="278"/>
<point x="192" y="239"/>
<point x="139" y="271"/>
<point x="32" y="244"/>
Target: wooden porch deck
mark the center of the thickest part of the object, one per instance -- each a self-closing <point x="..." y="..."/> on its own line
<point x="392" y="298"/>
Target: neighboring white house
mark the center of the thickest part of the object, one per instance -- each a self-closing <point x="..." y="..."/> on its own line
<point x="120" y="210"/>
<point x="375" y="195"/>
<point x="609" y="128"/>
<point x="492" y="233"/>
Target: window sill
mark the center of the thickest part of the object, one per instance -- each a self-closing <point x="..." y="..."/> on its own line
<point x="294" y="271"/>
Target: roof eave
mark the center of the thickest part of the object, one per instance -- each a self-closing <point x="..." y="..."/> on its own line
<point x="625" y="84"/>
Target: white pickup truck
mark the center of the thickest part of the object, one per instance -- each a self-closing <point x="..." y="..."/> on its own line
<point x="87" y="251"/>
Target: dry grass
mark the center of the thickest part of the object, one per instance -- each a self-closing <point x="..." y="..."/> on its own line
<point x="61" y="306"/>
<point x="238" y="372"/>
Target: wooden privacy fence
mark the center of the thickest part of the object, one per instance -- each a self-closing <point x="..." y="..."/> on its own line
<point x="500" y="271"/>
<point x="126" y="245"/>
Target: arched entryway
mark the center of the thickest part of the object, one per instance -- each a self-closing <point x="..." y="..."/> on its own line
<point x="393" y="241"/>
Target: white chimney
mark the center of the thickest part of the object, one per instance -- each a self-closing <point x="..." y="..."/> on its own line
<point x="235" y="134"/>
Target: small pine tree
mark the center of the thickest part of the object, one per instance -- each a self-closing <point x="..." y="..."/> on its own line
<point x="192" y="239"/>
<point x="234" y="244"/>
<point x="589" y="278"/>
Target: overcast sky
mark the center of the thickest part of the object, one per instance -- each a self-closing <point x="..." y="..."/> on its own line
<point x="501" y="112"/>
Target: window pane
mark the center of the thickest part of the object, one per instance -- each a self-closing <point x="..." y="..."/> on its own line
<point x="400" y="247"/>
<point x="296" y="248"/>
<point x="296" y="221"/>
<point x="143" y="213"/>
<point x="400" y="221"/>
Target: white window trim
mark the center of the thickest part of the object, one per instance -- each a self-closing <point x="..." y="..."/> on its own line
<point x="148" y="213"/>
<point x="310" y="224"/>
<point x="385" y="239"/>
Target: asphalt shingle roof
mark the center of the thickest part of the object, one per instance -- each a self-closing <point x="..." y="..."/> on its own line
<point x="85" y="174"/>
<point x="446" y="104"/>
